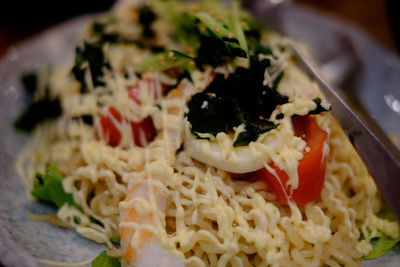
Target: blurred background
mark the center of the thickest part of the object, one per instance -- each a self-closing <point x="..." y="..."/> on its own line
<point x="20" y="20"/>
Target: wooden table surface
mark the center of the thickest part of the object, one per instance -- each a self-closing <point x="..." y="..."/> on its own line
<point x="368" y="15"/>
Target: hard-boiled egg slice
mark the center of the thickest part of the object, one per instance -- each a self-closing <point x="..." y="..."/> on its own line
<point x="220" y="153"/>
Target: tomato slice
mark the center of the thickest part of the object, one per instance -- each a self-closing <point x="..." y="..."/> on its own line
<point x="134" y="92"/>
<point x="143" y="132"/>
<point x="110" y="131"/>
<point x="311" y="167"/>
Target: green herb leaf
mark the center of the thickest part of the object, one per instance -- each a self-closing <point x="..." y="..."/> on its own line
<point x="185" y="74"/>
<point x="214" y="51"/>
<point x="164" y="61"/>
<point x="103" y="260"/>
<point x="381" y="242"/>
<point x="37" y="112"/>
<point x="256" y="48"/>
<point x="187" y="30"/>
<point x="94" y="220"/>
<point x="237" y="26"/>
<point x="77" y="220"/>
<point x="213" y="25"/>
<point x="382" y="246"/>
<point x="49" y="188"/>
<point x="176" y="14"/>
<point x="222" y="36"/>
<point x="251" y="28"/>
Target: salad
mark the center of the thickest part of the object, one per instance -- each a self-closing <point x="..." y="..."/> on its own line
<point x="185" y="135"/>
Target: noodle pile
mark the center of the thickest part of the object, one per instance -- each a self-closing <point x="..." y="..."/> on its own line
<point x="212" y="218"/>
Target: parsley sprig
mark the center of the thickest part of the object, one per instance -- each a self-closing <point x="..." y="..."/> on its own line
<point x="48" y="187"/>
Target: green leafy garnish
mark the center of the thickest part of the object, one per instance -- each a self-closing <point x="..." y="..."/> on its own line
<point x="251" y="29"/>
<point x="213" y="25"/>
<point x="215" y="33"/>
<point x="36" y="113"/>
<point x="164" y="61"/>
<point x="214" y="51"/>
<point x="237" y="26"/>
<point x="383" y="244"/>
<point x="94" y="220"/>
<point x="220" y="42"/>
<point x="187" y="31"/>
<point x="103" y="260"/>
<point x="77" y="220"/>
<point x="49" y="188"/>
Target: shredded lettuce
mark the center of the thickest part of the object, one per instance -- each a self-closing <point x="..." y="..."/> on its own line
<point x="237" y="26"/>
<point x="103" y="260"/>
<point x="383" y="244"/>
<point x="213" y="25"/>
<point x="49" y="188"/>
<point x="164" y="61"/>
<point x="215" y="33"/>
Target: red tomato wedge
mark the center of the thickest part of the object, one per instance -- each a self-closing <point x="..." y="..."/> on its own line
<point x="143" y="132"/>
<point x="134" y="92"/>
<point x="311" y="167"/>
<point x="110" y="131"/>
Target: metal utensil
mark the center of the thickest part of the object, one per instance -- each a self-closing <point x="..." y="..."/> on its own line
<point x="342" y="64"/>
<point x="379" y="154"/>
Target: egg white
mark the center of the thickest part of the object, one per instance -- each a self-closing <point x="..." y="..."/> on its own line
<point x="221" y="154"/>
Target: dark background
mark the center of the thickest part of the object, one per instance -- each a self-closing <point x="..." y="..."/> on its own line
<point x="21" y="19"/>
